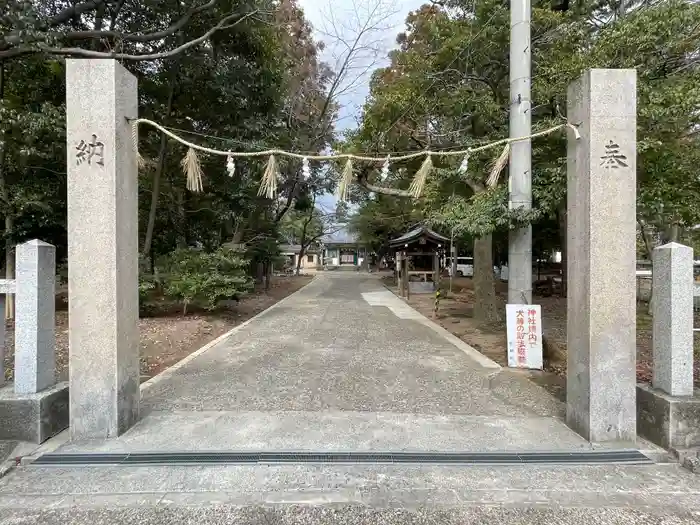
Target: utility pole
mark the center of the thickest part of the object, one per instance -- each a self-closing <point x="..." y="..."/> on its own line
<point x="520" y="174"/>
<point x="453" y="258"/>
<point x="453" y="251"/>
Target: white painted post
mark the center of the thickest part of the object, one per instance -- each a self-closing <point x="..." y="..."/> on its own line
<point x="35" y="317"/>
<point x="102" y="248"/>
<point x="7" y="286"/>
<point x="2" y="339"/>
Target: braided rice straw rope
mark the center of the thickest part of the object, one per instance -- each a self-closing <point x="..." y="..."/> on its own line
<point x="270" y="172"/>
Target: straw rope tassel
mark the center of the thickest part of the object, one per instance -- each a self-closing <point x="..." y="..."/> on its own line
<point x="268" y="184"/>
<point x="140" y="161"/>
<point x="416" y="188"/>
<point x="498" y="166"/>
<point x="345" y="181"/>
<point x="193" y="171"/>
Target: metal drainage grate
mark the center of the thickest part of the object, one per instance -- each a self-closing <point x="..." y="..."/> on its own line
<point x="351" y="458"/>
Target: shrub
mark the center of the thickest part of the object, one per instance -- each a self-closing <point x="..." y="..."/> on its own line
<point x="205" y="279"/>
<point x="147" y="286"/>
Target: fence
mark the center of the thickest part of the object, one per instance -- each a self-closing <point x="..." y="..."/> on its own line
<point x="644" y="282"/>
<point x="34" y="407"/>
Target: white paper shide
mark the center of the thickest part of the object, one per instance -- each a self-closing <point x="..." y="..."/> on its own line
<point x="524" y="323"/>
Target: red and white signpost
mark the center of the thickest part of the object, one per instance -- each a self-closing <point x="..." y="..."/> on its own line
<point x="524" y="335"/>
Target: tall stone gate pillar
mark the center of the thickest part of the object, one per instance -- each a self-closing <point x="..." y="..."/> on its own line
<point x="102" y="248"/>
<point x="601" y="256"/>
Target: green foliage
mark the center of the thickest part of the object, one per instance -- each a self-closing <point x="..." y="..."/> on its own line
<point x="260" y="84"/>
<point x="482" y="214"/>
<point x="253" y="85"/>
<point x="147" y="286"/>
<point x="302" y="227"/>
<point x="263" y="250"/>
<point x="381" y="219"/>
<point x="451" y="70"/>
<point x="205" y="279"/>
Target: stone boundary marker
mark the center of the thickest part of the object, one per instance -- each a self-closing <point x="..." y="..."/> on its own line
<point x="35" y="407"/>
<point x="668" y="410"/>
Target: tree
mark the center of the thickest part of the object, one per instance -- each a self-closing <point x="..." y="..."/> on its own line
<point x="32" y="155"/>
<point x="381" y="219"/>
<point x="447" y="87"/>
<point x="241" y="67"/>
<point x="307" y="227"/>
<point x="111" y="28"/>
<point x="353" y="45"/>
<point x="223" y="76"/>
<point x="236" y="58"/>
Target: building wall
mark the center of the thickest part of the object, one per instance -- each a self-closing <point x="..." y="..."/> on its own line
<point x="309" y="260"/>
<point x="344" y="255"/>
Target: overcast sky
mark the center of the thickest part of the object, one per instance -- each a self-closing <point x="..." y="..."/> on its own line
<point x="345" y="15"/>
<point x="392" y="14"/>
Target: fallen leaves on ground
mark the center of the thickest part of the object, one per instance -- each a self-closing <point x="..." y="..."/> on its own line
<point x="455" y="315"/>
<point x="167" y="339"/>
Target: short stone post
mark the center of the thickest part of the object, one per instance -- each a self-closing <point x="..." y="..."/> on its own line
<point x="35" y="407"/>
<point x="2" y="339"/>
<point x="601" y="256"/>
<point x="673" y="286"/>
<point x="102" y="248"/>
<point x="35" y="317"/>
<point x="6" y="286"/>
<point x="668" y="410"/>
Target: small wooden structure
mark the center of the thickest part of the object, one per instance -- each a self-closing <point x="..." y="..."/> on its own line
<point x="418" y="260"/>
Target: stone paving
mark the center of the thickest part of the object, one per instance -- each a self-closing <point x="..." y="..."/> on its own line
<point x="341" y="365"/>
<point x="325" y="369"/>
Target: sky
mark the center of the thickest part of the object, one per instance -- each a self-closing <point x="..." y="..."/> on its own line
<point x="343" y="17"/>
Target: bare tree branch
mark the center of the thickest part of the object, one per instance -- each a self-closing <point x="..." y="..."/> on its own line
<point x="115" y="14"/>
<point x="147" y="36"/>
<point x="370" y="24"/>
<point x="74" y="11"/>
<point x="364" y="183"/>
<point x="225" y="23"/>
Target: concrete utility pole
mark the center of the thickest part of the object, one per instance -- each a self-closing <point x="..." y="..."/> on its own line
<point x="453" y="258"/>
<point x="520" y="175"/>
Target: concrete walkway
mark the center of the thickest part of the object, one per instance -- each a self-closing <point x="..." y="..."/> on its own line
<point x="345" y="365"/>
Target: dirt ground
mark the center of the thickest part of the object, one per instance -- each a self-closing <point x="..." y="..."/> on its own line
<point x="167" y="339"/>
<point x="456" y="312"/>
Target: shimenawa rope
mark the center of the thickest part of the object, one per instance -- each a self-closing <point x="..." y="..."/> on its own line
<point x="268" y="185"/>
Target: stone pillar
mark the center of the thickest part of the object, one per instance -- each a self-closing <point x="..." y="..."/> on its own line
<point x="406" y="280"/>
<point x="7" y="286"/>
<point x="601" y="256"/>
<point x="102" y="248"/>
<point x="35" y="317"/>
<point x="2" y="338"/>
<point x="673" y="289"/>
<point x="436" y="270"/>
<point x="397" y="268"/>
